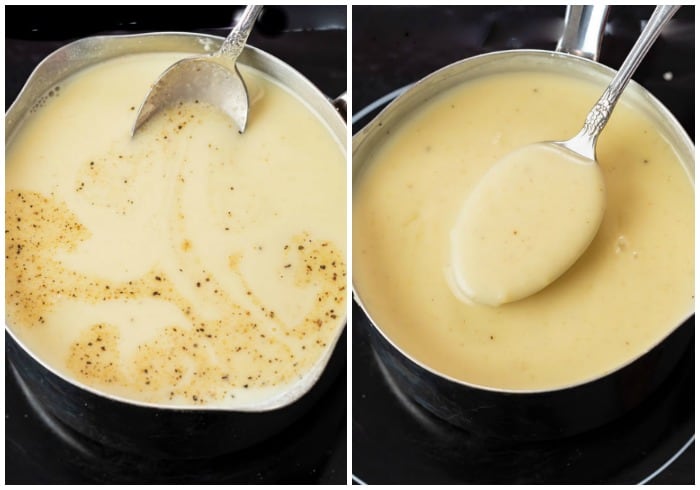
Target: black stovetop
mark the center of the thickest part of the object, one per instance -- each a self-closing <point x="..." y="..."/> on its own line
<point x="313" y="450"/>
<point x="394" y="440"/>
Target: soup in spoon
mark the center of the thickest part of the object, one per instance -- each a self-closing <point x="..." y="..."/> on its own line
<point x="528" y="220"/>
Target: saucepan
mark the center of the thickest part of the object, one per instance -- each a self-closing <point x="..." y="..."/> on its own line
<point x="148" y="429"/>
<point x="522" y="414"/>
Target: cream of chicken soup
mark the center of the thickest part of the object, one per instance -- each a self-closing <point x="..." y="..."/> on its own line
<point x="190" y="265"/>
<point x="632" y="285"/>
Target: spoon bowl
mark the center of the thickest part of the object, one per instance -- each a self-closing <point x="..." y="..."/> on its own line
<point x="212" y="79"/>
<point x="529" y="219"/>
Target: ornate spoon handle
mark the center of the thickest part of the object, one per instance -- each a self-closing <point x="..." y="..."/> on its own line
<point x="600" y="113"/>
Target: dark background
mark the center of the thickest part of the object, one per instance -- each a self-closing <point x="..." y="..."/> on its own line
<point x="314" y="450"/>
<point x="393" y="440"/>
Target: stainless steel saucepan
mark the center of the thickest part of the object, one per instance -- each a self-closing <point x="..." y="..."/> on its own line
<point x="183" y="432"/>
<point x="528" y="414"/>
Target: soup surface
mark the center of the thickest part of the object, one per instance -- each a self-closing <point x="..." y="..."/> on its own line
<point x="190" y="265"/>
<point x="629" y="289"/>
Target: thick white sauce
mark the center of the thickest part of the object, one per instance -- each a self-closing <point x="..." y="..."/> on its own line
<point x="524" y="224"/>
<point x="632" y="286"/>
<point x="191" y="265"/>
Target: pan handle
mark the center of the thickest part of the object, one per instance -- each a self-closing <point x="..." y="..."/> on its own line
<point x="341" y="105"/>
<point x="584" y="26"/>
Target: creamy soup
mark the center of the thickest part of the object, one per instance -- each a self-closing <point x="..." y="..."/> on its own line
<point x="191" y="265"/>
<point x="631" y="286"/>
<point x="525" y="223"/>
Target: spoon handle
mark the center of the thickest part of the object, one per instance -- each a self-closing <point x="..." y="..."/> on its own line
<point x="598" y="116"/>
<point x="234" y="43"/>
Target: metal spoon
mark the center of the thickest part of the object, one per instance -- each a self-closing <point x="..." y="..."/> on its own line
<point x="502" y="252"/>
<point x="212" y="78"/>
